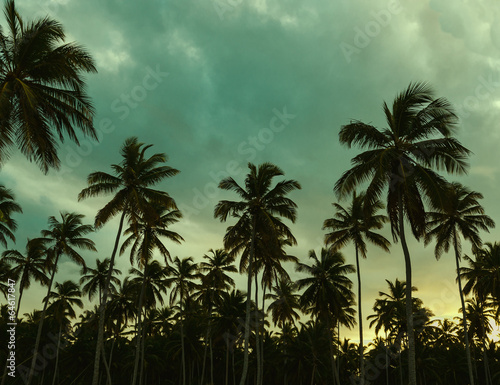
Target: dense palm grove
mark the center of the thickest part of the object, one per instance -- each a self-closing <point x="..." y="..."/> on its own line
<point x="171" y="320"/>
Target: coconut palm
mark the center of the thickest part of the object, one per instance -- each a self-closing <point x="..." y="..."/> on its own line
<point x="483" y="273"/>
<point x="7" y="208"/>
<point x="462" y="214"/>
<point x="66" y="295"/>
<point x="145" y="237"/>
<point x="182" y="274"/>
<point x="42" y="95"/>
<point x="327" y="292"/>
<point x="94" y="280"/>
<point x="258" y="212"/>
<point x="355" y="224"/>
<point x="134" y="199"/>
<point x="402" y="158"/>
<point x="214" y="282"/>
<point x="63" y="238"/>
<point x="285" y="302"/>
<point x="28" y="267"/>
<point x="5" y="274"/>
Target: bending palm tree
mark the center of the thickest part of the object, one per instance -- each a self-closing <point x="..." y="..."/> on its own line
<point x="63" y="237"/>
<point x="328" y="291"/>
<point x="258" y="213"/>
<point x="134" y="197"/>
<point x="401" y="158"/>
<point x="355" y="225"/>
<point x="460" y="214"/>
<point x="42" y="92"/>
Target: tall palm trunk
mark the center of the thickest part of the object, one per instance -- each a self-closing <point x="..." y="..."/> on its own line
<point x="412" y="371"/>
<point x="182" y="344"/>
<point x="262" y="339"/>
<point x="57" y="353"/>
<point x="257" y="330"/>
<point x="102" y="306"/>
<point x="360" y="320"/>
<point x="139" y="326"/>
<point x="332" y="355"/>
<point x="487" y="373"/>
<point x="467" y="347"/>
<point x="249" y="298"/>
<point x="40" y="326"/>
<point x="227" y="362"/>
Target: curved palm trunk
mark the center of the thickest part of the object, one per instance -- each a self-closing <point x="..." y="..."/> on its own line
<point x="102" y="306"/>
<point x="360" y="320"/>
<point x="412" y="371"/>
<point x="57" y="354"/>
<point x="139" y="327"/>
<point x="249" y="298"/>
<point x="40" y="326"/>
<point x="467" y="347"/>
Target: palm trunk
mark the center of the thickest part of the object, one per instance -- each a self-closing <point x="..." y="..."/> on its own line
<point x="57" y="354"/>
<point x="102" y="306"/>
<point x="412" y="371"/>
<point x="182" y="345"/>
<point x="467" y="347"/>
<point x="202" y="380"/>
<point x="249" y="298"/>
<point x="143" y="340"/>
<point x="487" y="373"/>
<point x="139" y="325"/>
<point x="332" y="356"/>
<point x="40" y="326"/>
<point x="360" y="320"/>
<point x="227" y="362"/>
<point x="263" y="335"/>
<point x="257" y="329"/>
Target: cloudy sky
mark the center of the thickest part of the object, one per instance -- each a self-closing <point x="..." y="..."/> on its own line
<point x="216" y="84"/>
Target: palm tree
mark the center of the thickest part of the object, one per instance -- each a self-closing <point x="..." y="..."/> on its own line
<point x="28" y="267"/>
<point x="94" y="280"/>
<point x="461" y="213"/>
<point x="354" y="225"/>
<point x="67" y="295"/>
<point x="63" y="238"/>
<point x="150" y="284"/>
<point x="402" y="158"/>
<point x="213" y="284"/>
<point x="145" y="239"/>
<point x="134" y="198"/>
<point x="483" y="275"/>
<point x="258" y="213"/>
<point x="328" y="291"/>
<point x="7" y="208"/>
<point x="182" y="275"/>
<point x="285" y="302"/>
<point x="5" y="274"/>
<point x="42" y="95"/>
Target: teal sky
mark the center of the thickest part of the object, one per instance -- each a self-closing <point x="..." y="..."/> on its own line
<point x="216" y="84"/>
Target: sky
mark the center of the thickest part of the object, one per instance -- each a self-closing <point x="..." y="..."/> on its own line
<point x="216" y="84"/>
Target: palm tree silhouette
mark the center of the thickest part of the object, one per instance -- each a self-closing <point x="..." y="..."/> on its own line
<point x="42" y="95"/>
<point x="7" y="208"/>
<point x="258" y="213"/>
<point x="327" y="294"/>
<point x="355" y="224"/>
<point x="461" y="213"/>
<point x="402" y="158"/>
<point x="134" y="199"/>
<point x="63" y="238"/>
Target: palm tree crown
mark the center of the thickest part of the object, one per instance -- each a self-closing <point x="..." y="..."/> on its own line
<point x="42" y="95"/>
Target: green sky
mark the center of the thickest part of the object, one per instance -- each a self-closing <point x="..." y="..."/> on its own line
<point x="216" y="84"/>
